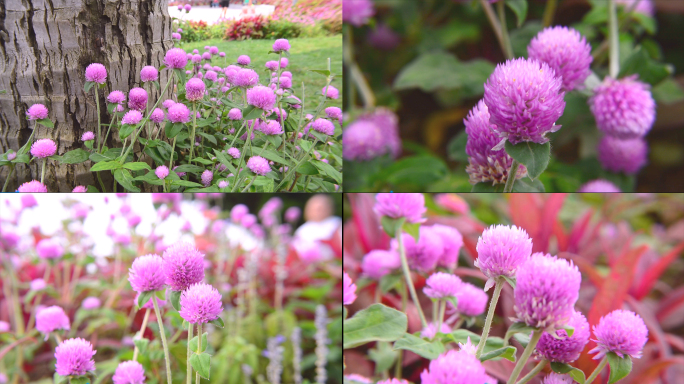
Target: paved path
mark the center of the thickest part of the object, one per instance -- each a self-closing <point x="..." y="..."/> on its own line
<point x="212" y="15"/>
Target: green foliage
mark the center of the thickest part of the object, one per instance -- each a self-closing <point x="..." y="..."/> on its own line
<point x="375" y="323"/>
<point x="620" y="367"/>
<point x="429" y="349"/>
<point x="532" y="155"/>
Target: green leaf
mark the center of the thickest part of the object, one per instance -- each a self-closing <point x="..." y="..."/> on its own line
<point x="507" y="353"/>
<point x="251" y="112"/>
<point x="79" y="380"/>
<point x="126" y="130"/>
<point x="522" y="338"/>
<point x="46" y="122"/>
<point x="511" y="281"/>
<point x="209" y="137"/>
<point x="527" y="185"/>
<point x="570" y="330"/>
<point x="328" y="170"/>
<point x="646" y="21"/>
<point x="390" y="281"/>
<point x="532" y="155"/>
<point x="648" y="69"/>
<point x="392" y="226"/>
<point x="185" y="183"/>
<point x="144" y="298"/>
<point x="412" y="229"/>
<point x="375" y="323"/>
<point x="106" y="165"/>
<point x="161" y="294"/>
<point x="218" y="322"/>
<point x="201" y="363"/>
<point x="93" y="189"/>
<point x="456" y="147"/>
<point x="418" y="170"/>
<point x="576" y="374"/>
<point x="270" y="155"/>
<point x="137" y="166"/>
<point x="174" y="296"/>
<point x="124" y="177"/>
<point x="142" y="345"/>
<point x="519" y="327"/>
<point x="193" y="343"/>
<point x="189" y="168"/>
<point x="59" y="379"/>
<point x="383" y="356"/>
<point x="519" y="7"/>
<point x="22" y="158"/>
<point x="87" y="86"/>
<point x="204" y="122"/>
<point x="421" y="347"/>
<point x="171" y="130"/>
<point x="323" y="72"/>
<point x="668" y="92"/>
<point x="429" y="72"/>
<point x="620" y="367"/>
<point x="306" y="168"/>
<point x="75" y="157"/>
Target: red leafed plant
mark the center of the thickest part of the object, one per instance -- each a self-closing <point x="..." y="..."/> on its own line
<point x="247" y="28"/>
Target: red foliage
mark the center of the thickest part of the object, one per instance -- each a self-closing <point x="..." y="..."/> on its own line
<point x="247" y="28"/>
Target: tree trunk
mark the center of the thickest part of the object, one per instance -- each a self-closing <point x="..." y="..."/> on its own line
<point x="45" y="47"/>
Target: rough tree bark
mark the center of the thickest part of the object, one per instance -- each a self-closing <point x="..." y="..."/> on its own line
<point x="45" y="46"/>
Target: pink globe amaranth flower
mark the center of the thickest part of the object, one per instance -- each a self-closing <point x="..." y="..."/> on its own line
<point x="441" y="285"/>
<point x="384" y="38"/>
<point x="363" y="141"/>
<point x="28" y="201"/>
<point x="80" y="189"/>
<point x="183" y="266"/>
<point x="599" y="186"/>
<point x="378" y="263"/>
<point x="281" y="45"/>
<point x="168" y="103"/>
<point x="238" y="212"/>
<point x="119" y="108"/>
<point x="567" y="349"/>
<point x="424" y="254"/>
<point x="179" y="30"/>
<point x="285" y="82"/>
<point x="91" y="302"/>
<point x="206" y="56"/>
<point x="357" y="12"/>
<point x="196" y="58"/>
<point x="292" y="214"/>
<point x="214" y="50"/>
<point x="622" y="332"/>
<point x="149" y="73"/>
<point x="32" y="186"/>
<point x="74" y="357"/>
<point x="430" y="331"/>
<point x="261" y="97"/>
<point x="176" y="36"/>
<point x="453" y="241"/>
<point x="284" y="62"/>
<point x="566" y="51"/>
<point x="623" y="108"/>
<point x="222" y="54"/>
<point x="132" y="117"/>
<point x="129" y="372"/>
<point x="485" y="164"/>
<point x="524" y="100"/>
<point x="187" y="7"/>
<point x="146" y="274"/>
<point x="354" y="378"/>
<point x="137" y="99"/>
<point x="501" y="250"/>
<point x="644" y="6"/>
<point x="455" y="367"/>
<point x="324" y="126"/>
<point x="51" y="319"/>
<point x="116" y="97"/>
<point x="37" y="112"/>
<point x="557" y="378"/>
<point x="546" y="291"/>
<point x="157" y="115"/>
<point x="162" y="171"/>
<point x="234" y="152"/>
<point x="178" y="113"/>
<point x="286" y="73"/>
<point x="272" y="65"/>
<point x="96" y="73"/>
<point x="618" y="155"/>
<point x="387" y="123"/>
<point x="333" y="113"/>
<point x="134" y="220"/>
<point x="245" y="77"/>
<point x="38" y="284"/>
<point x="11" y="156"/>
<point x="225" y="88"/>
<point x="348" y="290"/>
<point x="270" y="127"/>
<point x="207" y="176"/>
<point x="243" y="60"/>
<point x="194" y="89"/>
<point x="180" y="7"/>
<point x="176" y="58"/>
<point x="281" y="113"/>
<point x="200" y="303"/>
<point x="223" y="184"/>
<point x="211" y="75"/>
<point x="331" y="92"/>
<point x="88" y="136"/>
<point x="150" y="302"/>
<point x="258" y="165"/>
<point x="4" y="326"/>
<point x="49" y="249"/>
<point x="43" y="148"/>
<point x="397" y="205"/>
<point x="472" y="301"/>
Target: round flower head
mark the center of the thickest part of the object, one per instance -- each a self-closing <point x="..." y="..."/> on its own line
<point x="179" y="113"/>
<point x="176" y="58"/>
<point x="397" y="205"/>
<point x="51" y="319"/>
<point x="116" y="97"/>
<point x="599" y="186"/>
<point x="567" y="349"/>
<point x="157" y="115"/>
<point x="91" y="303"/>
<point x="622" y="332"/>
<point x="38" y="284"/>
<point x="281" y="45"/>
<point x="524" y="100"/>
<point x="453" y="241"/>
<point x="207" y="177"/>
<point x="37" y="112"/>
<point x="281" y="113"/>
<point x="74" y="357"/>
<point x="238" y="212"/>
<point x="441" y="285"/>
<point x="324" y="126"/>
<point x="146" y="274"/>
<point x="357" y="12"/>
<point x="285" y="82"/>
<point x="234" y="152"/>
<point x="119" y="108"/>
<point x="430" y="331"/>
<point x="96" y="73"/>
<point x="194" y="89"/>
<point x="286" y="73"/>
<point x="183" y="266"/>
<point x="137" y="99"/>
<point x="272" y="65"/>
<point x="643" y="6"/>
<point x="378" y="263"/>
<point x="196" y="58"/>
<point x="43" y="148"/>
<point x="362" y="141"/>
<point x="187" y="7"/>
<point x="4" y="326"/>
<point x="49" y="249"/>
<point x="284" y="62"/>
<point x="334" y="113"/>
<point x="557" y="378"/>
<point x="162" y="171"/>
<point x="28" y="201"/>
<point x="200" y="303"/>
<point x="424" y="254"/>
<point x="618" y="155"/>
<point x="243" y="60"/>
<point x="149" y="73"/>
<point x="565" y="51"/>
<point x="79" y="189"/>
<point x="383" y="37"/>
<point x="455" y="367"/>
<point x="261" y="97"/>
<point x="223" y="184"/>
<point x="258" y="165"/>
<point x="623" y="108"/>
<point x="270" y="127"/>
<point x="132" y="117"/>
<point x="331" y="92"/>
<point x="348" y="290"/>
<point x="32" y="186"/>
<point x="129" y="372"/>
<point x="501" y="250"/>
<point x="206" y="56"/>
<point x="211" y="76"/>
<point x="88" y="136"/>
<point x="472" y="301"/>
<point x="546" y="291"/>
<point x="214" y="50"/>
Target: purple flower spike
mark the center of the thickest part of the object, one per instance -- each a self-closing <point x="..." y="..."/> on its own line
<point x="146" y="274"/>
<point x="546" y="291"/>
<point x="74" y="357"/>
<point x="567" y="349"/>
<point x="441" y="285"/>
<point x="617" y="155"/>
<point x="200" y="303"/>
<point x="397" y="205"/>
<point x="348" y="290"/>
<point x="129" y="372"/>
<point x="455" y="367"/>
<point x="622" y="332"/>
<point x="501" y="250"/>
<point x="183" y="266"/>
<point x="565" y="51"/>
<point x="453" y="241"/>
<point x="207" y="177"/>
<point x="623" y="108"/>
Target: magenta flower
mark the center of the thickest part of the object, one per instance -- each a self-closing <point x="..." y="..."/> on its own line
<point x="270" y="127"/>
<point x="214" y="50"/>
<point x="453" y="241"/>
<point x="96" y="73"/>
<point x="157" y="115"/>
<point x="176" y="36"/>
<point x="179" y="113"/>
<point x="234" y="152"/>
<point x="80" y="189"/>
<point x="622" y="332"/>
<point x="49" y="249"/>
<point x="281" y="45"/>
<point x="565" y="51"/>
<point x="284" y="62"/>
<point x="162" y="171"/>
<point x="455" y="367"/>
<point x="91" y="302"/>
<point x="598" y="186"/>
<point x="334" y="113"/>
<point x="472" y="301"/>
<point x="206" y="177"/>
<point x="183" y="266"/>
<point x="644" y="6"/>
<point x="223" y="184"/>
<point x="378" y="263"/>
<point x="258" y="165"/>
<point x="292" y="214"/>
<point x="51" y="319"/>
<point x="206" y="56"/>
<point x="623" y="108"/>
<point x="235" y="114"/>
<point x="557" y="378"/>
<point x="348" y="290"/>
<point x="211" y="76"/>
<point x="546" y="291"/>
<point x="618" y="155"/>
<point x="324" y="126"/>
<point x="261" y="97"/>
<point x="187" y="7"/>
<point x="137" y="99"/>
<point x="28" y="201"/>
<point x="331" y="93"/>
<point x="424" y="254"/>
<point x="196" y="58"/>
<point x="200" y="303"/>
<point x="37" y="112"/>
<point x="32" y="186"/>
<point x="281" y="113"/>
<point x="194" y="89"/>
<point x="441" y="285"/>
<point x="501" y="250"/>
<point x="176" y="58"/>
<point x="222" y="54"/>
<point x="146" y="274"/>
<point x="149" y="73"/>
<point x="567" y="349"/>
<point x="286" y="73"/>
<point x="43" y="148"/>
<point x="238" y="212"/>
<point x="430" y="331"/>
<point x="357" y="12"/>
<point x="129" y="372"/>
<point x="272" y="65"/>
<point x="74" y="357"/>
<point x="285" y="82"/>
<point x="397" y="205"/>
<point x="116" y="97"/>
<point x="365" y="142"/>
<point x="243" y="60"/>
<point x="132" y="117"/>
<point x="354" y="378"/>
<point x="38" y="284"/>
<point x="88" y="136"/>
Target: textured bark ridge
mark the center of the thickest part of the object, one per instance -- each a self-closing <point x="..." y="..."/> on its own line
<point x="45" y="46"/>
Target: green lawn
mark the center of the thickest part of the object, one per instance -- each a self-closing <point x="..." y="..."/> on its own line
<point x="305" y="54"/>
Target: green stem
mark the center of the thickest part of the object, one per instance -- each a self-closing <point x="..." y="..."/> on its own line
<point x="173" y="148"/>
<point x="9" y="176"/>
<point x="163" y="336"/>
<point x="142" y="331"/>
<point x="404" y="302"/>
<point x="188" y="377"/>
<point x="409" y="281"/>
<point x="489" y="11"/>
<point x="508" y="49"/>
<point x="549" y="12"/>
<point x="536" y="335"/>
<point x="293" y="169"/>
<point x="598" y="370"/>
<point x="199" y="348"/>
<point x="512" y="173"/>
<point x="490" y="316"/>
<point x="249" y="185"/>
<point x="42" y="173"/>
<point x="242" y="156"/>
<point x="194" y="125"/>
<point x="27" y="146"/>
<point x="99" y="130"/>
<point x="614" y="66"/>
<point x="440" y="316"/>
<point x="107" y="134"/>
<point x="537" y="368"/>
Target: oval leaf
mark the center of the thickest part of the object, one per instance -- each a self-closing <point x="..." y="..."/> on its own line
<point x="201" y="363"/>
<point x="375" y="323"/>
<point x="532" y="155"/>
<point x="74" y="157"/>
<point x="507" y="353"/>
<point x="620" y="367"/>
<point x="421" y="347"/>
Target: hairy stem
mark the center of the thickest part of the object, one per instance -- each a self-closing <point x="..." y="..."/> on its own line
<point x="194" y="125"/>
<point x="199" y="348"/>
<point x="142" y="332"/>
<point x="537" y="368"/>
<point x="163" y="337"/>
<point x="512" y="173"/>
<point x="42" y="173"/>
<point x="188" y="377"/>
<point x="614" y="66"/>
<point x="99" y="131"/>
<point x="490" y="316"/>
<point x="9" y="176"/>
<point x="598" y="370"/>
<point x="536" y="335"/>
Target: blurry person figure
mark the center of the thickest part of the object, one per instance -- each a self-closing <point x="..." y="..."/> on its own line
<point x="320" y="227"/>
<point x="225" y="4"/>
<point x="248" y="7"/>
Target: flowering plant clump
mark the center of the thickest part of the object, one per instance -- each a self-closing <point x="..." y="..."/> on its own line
<point x="551" y="314"/>
<point x="166" y="288"/>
